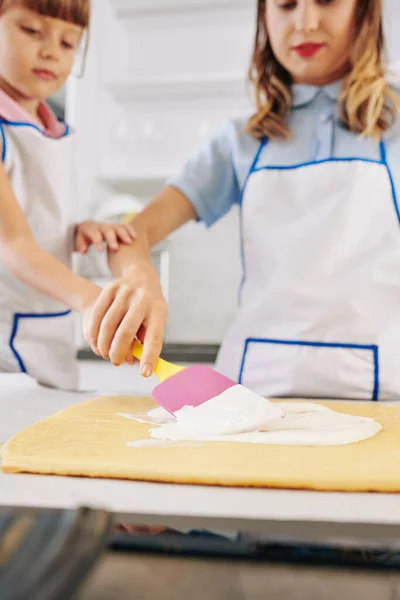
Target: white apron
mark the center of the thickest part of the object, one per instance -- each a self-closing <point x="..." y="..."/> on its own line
<point x="319" y="314"/>
<point x="37" y="335"/>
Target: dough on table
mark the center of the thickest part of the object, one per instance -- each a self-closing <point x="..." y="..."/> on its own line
<point x="91" y="439"/>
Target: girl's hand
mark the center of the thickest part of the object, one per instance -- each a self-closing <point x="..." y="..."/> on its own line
<point x="131" y="306"/>
<point x="91" y="233"/>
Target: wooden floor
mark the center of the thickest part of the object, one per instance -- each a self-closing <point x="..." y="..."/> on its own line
<point x="129" y="576"/>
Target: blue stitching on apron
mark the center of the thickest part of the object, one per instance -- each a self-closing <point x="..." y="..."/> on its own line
<point x="254" y="169"/>
<point x="22" y="124"/>
<point x="261" y="147"/>
<point x="253" y="166"/>
<point x="384" y="162"/>
<point x="4" y="150"/>
<point x="316" y="162"/>
<point x="373" y="348"/>
<point x="14" y="330"/>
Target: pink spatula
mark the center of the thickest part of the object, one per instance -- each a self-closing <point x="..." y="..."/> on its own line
<point x="190" y="386"/>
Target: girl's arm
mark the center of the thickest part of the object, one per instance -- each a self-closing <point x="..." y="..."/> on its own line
<point x="30" y="264"/>
<point x="137" y="286"/>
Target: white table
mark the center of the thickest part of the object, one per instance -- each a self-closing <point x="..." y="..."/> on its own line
<point x="276" y="512"/>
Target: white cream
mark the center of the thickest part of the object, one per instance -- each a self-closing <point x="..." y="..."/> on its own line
<point x="236" y="410"/>
<point x="304" y="424"/>
<point x="155" y="416"/>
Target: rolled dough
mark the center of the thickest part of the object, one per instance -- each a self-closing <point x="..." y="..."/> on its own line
<point x="91" y="439"/>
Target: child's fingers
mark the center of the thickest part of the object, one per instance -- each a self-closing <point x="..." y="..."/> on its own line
<point x="95" y="235"/>
<point x="125" y="330"/>
<point x="141" y="334"/>
<point x="130" y="359"/>
<point x="110" y="237"/>
<point x="131" y="231"/>
<point x="81" y="244"/>
<point x="95" y="323"/>
<point x="153" y="342"/>
<point x="124" y="234"/>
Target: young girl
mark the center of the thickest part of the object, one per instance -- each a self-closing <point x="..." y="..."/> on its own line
<point x="39" y="40"/>
<point x="316" y="172"/>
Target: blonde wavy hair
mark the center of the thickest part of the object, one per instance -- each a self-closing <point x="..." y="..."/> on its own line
<point x="367" y="104"/>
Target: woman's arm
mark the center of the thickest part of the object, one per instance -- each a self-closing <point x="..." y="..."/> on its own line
<point x="206" y="187"/>
<point x="169" y="210"/>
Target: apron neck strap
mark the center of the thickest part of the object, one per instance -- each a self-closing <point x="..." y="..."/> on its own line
<point x="263" y="143"/>
<point x="382" y="150"/>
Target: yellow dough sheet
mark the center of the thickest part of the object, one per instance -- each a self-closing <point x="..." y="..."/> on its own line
<point x="90" y="440"/>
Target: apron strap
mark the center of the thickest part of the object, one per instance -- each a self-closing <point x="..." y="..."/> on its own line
<point x="263" y="143"/>
<point x="382" y="150"/>
<point x="4" y="142"/>
<point x="261" y="147"/>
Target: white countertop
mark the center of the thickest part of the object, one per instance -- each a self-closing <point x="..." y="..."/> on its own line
<point x="22" y="402"/>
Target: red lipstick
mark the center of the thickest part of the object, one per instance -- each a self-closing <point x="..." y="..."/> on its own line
<point x="307" y="50"/>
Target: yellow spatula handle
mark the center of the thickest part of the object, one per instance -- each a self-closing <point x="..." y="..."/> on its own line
<point x="163" y="369"/>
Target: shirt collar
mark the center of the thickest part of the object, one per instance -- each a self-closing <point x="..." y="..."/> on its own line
<point x="305" y="94"/>
<point x="12" y="111"/>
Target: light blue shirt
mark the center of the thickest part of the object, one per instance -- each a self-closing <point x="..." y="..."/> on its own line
<point x="213" y="179"/>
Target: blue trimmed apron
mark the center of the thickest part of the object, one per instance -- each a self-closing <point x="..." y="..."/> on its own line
<point x="319" y="313"/>
<point x="37" y="334"/>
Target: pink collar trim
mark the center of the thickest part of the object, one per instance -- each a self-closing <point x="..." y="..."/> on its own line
<point x="12" y="111"/>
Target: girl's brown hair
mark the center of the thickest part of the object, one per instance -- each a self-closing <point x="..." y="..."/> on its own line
<point x="73" y="11"/>
<point x="367" y="104"/>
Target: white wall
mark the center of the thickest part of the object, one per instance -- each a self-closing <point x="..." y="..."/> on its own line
<point x="161" y="75"/>
<point x="392" y="28"/>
